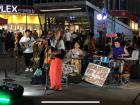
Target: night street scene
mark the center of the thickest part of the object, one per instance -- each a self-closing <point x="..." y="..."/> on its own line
<point x="75" y="52"/>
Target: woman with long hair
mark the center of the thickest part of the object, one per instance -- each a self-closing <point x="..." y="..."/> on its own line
<point x="56" y="63"/>
<point x="75" y="55"/>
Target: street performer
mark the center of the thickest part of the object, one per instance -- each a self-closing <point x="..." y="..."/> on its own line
<point x="58" y="50"/>
<point x="118" y="53"/>
<point x="118" y="50"/>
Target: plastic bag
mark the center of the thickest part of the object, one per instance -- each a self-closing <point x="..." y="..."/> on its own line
<point x="38" y="72"/>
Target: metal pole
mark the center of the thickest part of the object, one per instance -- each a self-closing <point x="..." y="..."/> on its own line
<point x="26" y="21"/>
<point x="40" y="23"/>
<point x="114" y="4"/>
<point x="45" y="24"/>
<point x="108" y="4"/>
<point x="119" y="5"/>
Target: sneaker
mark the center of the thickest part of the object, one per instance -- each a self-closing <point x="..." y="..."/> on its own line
<point x="31" y="70"/>
<point x="27" y="69"/>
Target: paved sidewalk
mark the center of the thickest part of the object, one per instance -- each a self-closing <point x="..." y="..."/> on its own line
<point x="34" y="94"/>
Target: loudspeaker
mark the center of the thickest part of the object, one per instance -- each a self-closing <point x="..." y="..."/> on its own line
<point x="15" y="90"/>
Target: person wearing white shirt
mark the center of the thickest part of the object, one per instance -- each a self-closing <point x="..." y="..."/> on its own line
<point x="68" y="37"/>
<point x="26" y="43"/>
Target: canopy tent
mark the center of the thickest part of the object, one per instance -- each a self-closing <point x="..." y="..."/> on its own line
<point x="3" y="21"/>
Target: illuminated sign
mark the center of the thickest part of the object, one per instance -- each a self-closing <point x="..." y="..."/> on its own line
<point x="8" y="8"/>
<point x="16" y="9"/>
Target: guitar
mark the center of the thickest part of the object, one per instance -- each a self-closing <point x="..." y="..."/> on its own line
<point x="48" y="55"/>
<point x="52" y="53"/>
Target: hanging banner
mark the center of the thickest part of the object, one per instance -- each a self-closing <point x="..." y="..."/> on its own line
<point x="96" y="74"/>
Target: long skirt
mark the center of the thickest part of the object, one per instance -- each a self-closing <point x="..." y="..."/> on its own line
<point x="56" y="74"/>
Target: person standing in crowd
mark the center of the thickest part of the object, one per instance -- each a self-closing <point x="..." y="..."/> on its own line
<point x="91" y="45"/>
<point x="10" y="39"/>
<point x="35" y="34"/>
<point x="75" y="55"/>
<point x="18" y="36"/>
<point x="42" y="45"/>
<point x="4" y="34"/>
<point x="1" y="42"/>
<point x="56" y="63"/>
<point x="108" y="46"/>
<point x="27" y="42"/>
<point x="67" y="38"/>
<point x="137" y="44"/>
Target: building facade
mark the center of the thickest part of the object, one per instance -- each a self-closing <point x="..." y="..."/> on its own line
<point x="125" y="11"/>
<point x="72" y="14"/>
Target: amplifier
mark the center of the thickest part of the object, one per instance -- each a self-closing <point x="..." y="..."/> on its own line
<point x="14" y="90"/>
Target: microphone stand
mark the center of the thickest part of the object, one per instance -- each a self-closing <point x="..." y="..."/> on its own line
<point x="47" y="67"/>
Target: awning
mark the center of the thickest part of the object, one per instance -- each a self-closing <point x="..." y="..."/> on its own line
<point x="3" y="21"/>
<point x="123" y="14"/>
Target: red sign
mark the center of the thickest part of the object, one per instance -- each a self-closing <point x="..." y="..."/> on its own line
<point x="111" y="35"/>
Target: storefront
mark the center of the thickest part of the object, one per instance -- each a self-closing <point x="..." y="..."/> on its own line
<point x="65" y="15"/>
<point x="21" y="18"/>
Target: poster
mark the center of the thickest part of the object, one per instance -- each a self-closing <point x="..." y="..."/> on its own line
<point x="67" y="69"/>
<point x="96" y="74"/>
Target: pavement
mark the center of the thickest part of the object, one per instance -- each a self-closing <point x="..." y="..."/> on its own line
<point x="34" y="94"/>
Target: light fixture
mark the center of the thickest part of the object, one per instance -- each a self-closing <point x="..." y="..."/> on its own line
<point x="99" y="16"/>
<point x="104" y="17"/>
<point x="66" y="9"/>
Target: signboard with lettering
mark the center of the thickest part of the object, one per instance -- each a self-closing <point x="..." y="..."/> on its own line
<point x="8" y="8"/>
<point x="67" y="69"/>
<point x="96" y="74"/>
<point x="16" y="9"/>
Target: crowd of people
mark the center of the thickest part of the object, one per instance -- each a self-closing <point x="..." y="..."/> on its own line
<point x="57" y="47"/>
